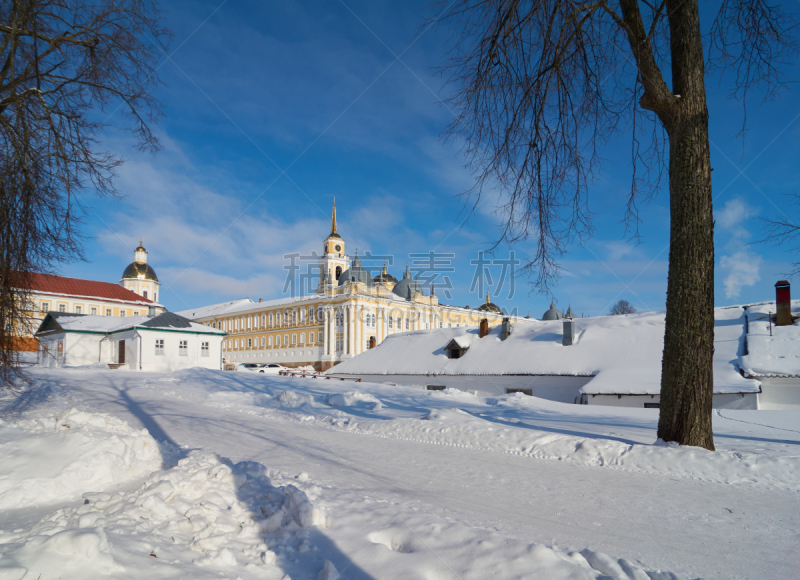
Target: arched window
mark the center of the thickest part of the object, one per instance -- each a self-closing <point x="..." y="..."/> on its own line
<point x="144" y="293"/>
<point x="338" y="271"/>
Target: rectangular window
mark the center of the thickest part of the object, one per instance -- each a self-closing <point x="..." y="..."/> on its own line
<point x="62" y="307"/>
<point x="310" y="338"/>
<point x="319" y="313"/>
<point x="159" y="347"/>
<point x="319" y="338"/>
<point x="144" y="294"/>
<point x="122" y="313"/>
<point x="45" y="307"/>
<point x="249" y="343"/>
<point x="277" y="319"/>
<point x="263" y="320"/>
<point x="269" y="342"/>
<point x="108" y="312"/>
<point x="302" y="338"/>
<point x="302" y="315"/>
<point x="204" y="351"/>
<point x="285" y="340"/>
<point x="311" y="314"/>
<point x="269" y="319"/>
<point x="391" y="321"/>
<point x="183" y="348"/>
<point x="263" y="341"/>
<point x="136" y="313"/>
<point x="93" y="310"/>
<point x="294" y="339"/>
<point x="294" y="316"/>
<point x="78" y="309"/>
<point x="407" y="323"/>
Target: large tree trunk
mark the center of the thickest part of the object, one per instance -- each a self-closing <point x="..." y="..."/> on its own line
<point x="687" y="378"/>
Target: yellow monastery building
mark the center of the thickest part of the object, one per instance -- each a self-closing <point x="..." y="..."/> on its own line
<point x="350" y="312"/>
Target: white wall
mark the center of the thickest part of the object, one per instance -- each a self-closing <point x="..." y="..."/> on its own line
<point x="565" y="389"/>
<point x="735" y="401"/>
<point x="172" y="360"/>
<point x="779" y="393"/>
<point x="306" y="354"/>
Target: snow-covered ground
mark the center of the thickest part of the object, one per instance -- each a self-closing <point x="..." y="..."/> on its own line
<point x="212" y="474"/>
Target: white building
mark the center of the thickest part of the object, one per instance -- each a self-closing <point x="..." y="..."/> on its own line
<point x="45" y="293"/>
<point x="771" y="355"/>
<point x="166" y="342"/>
<point x="613" y="360"/>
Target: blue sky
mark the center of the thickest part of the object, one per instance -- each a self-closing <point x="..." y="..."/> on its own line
<point x="272" y="109"/>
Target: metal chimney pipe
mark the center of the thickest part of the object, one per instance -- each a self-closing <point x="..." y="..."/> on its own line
<point x="505" y="331"/>
<point x="569" y="332"/>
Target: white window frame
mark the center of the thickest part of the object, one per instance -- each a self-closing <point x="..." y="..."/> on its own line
<point x="183" y="348"/>
<point x="159" y="347"/>
<point x="204" y="349"/>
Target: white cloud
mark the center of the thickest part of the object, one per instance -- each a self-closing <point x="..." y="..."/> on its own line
<point x="733" y="215"/>
<point x="743" y="270"/>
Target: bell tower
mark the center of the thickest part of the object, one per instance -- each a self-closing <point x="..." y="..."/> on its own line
<point x="333" y="261"/>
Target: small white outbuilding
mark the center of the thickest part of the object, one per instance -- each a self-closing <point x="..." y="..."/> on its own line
<point x="162" y="343"/>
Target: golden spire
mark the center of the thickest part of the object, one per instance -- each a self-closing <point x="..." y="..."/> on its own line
<point x="333" y="220"/>
<point x="488" y="301"/>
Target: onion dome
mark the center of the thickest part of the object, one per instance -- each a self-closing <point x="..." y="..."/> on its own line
<point x="552" y="313"/>
<point x="356" y="274"/>
<point x="384" y="277"/>
<point x="488" y="306"/>
<point x="140" y="272"/>
<point x="407" y="287"/>
<point x="139" y="269"/>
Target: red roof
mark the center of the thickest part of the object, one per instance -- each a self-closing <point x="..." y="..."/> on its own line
<point x="77" y="287"/>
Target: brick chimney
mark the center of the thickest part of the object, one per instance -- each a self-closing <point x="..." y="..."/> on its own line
<point x="372" y="342"/>
<point x="484" y="328"/>
<point x="783" y="304"/>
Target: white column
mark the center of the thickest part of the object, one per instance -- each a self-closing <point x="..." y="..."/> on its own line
<point x="378" y="324"/>
<point x="349" y="329"/>
<point x="326" y="343"/>
<point x="332" y="333"/>
<point x="357" y="334"/>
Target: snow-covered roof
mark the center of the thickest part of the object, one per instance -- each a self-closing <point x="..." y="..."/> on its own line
<point x="623" y="353"/>
<point x="240" y="306"/>
<point x="771" y="356"/>
<point x="109" y="324"/>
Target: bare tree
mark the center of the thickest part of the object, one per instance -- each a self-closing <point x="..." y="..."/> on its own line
<point x="540" y="87"/>
<point x="65" y="67"/>
<point x="622" y="307"/>
<point x="783" y="231"/>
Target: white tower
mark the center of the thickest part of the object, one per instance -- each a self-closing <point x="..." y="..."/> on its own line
<point x="140" y="277"/>
<point x="333" y="261"/>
